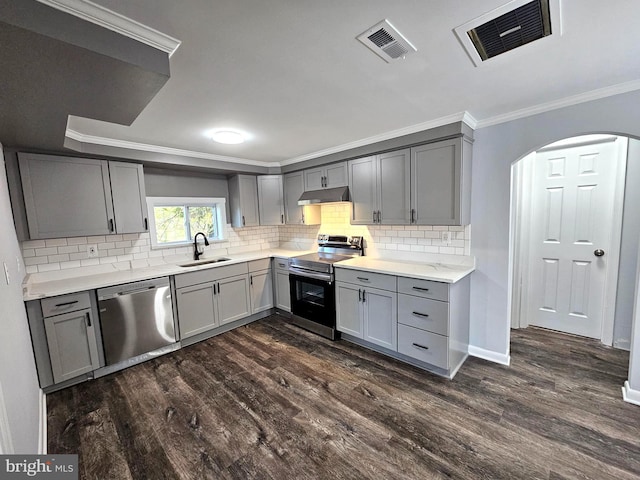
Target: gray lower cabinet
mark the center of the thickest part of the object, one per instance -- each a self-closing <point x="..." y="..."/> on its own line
<point x="421" y="320"/>
<point x="209" y="298"/>
<point x="243" y="201"/>
<point x="441" y="183"/>
<point x="295" y="214"/>
<point x="281" y="284"/>
<point x="69" y="196"/>
<point x="326" y="176"/>
<point x="261" y="285"/>
<point x="367" y="313"/>
<point x="270" y="200"/>
<point x="380" y="189"/>
<point x="71" y="336"/>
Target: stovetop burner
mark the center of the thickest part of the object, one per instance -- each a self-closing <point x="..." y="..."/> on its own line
<point x="331" y="249"/>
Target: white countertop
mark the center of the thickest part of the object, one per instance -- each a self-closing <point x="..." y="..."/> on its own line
<point x="438" y="272"/>
<point x="114" y="276"/>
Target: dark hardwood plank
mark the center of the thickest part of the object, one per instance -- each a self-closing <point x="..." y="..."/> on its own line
<point x="272" y="401"/>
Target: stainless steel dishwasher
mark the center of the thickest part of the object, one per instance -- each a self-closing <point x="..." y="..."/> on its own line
<point x="135" y="318"/>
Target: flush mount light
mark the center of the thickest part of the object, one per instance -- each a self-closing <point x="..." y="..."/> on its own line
<point x="228" y="136"/>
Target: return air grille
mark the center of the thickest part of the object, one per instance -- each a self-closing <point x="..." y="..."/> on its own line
<point x="386" y="42"/>
<point x="511" y="30"/>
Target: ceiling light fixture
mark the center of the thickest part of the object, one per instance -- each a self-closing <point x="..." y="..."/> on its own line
<point x="228" y="136"/>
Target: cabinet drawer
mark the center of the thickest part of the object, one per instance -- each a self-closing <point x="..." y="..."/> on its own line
<point x="210" y="274"/>
<point x="65" y="303"/>
<point x="424" y="346"/>
<point x="257" y="265"/>
<point x="281" y="264"/>
<point x="366" y="279"/>
<point x="423" y="313"/>
<point x="424" y="288"/>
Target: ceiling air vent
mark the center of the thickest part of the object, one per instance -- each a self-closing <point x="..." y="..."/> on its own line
<point x="386" y="42"/>
<point x="511" y="26"/>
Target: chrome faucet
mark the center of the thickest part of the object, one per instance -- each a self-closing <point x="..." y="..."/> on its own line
<point x="196" y="252"/>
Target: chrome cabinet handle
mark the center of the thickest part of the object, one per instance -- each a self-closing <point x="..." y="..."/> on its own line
<point x="421" y="289"/>
<point x="417" y="345"/>
<point x="420" y="314"/>
<point x="598" y="252"/>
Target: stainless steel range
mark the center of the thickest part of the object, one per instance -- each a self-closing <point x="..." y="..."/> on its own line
<point x="311" y="281"/>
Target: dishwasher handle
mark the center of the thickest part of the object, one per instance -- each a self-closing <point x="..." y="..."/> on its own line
<point x="130" y="289"/>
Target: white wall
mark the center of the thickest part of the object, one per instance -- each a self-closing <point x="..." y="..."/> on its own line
<point x="495" y="148"/>
<point x="18" y="379"/>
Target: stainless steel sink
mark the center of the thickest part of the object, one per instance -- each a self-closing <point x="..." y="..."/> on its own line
<point x="204" y="262"/>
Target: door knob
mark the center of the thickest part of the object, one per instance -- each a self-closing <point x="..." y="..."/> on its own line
<point x="598" y="252"/>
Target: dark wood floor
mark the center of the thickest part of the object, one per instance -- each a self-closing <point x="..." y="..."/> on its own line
<point x="275" y="402"/>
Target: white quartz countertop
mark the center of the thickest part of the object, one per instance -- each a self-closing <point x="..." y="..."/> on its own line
<point x="52" y="288"/>
<point x="438" y="272"/>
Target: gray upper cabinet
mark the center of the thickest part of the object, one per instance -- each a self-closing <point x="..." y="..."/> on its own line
<point x="441" y="183"/>
<point x="70" y="197"/>
<point x="362" y="188"/>
<point x="270" y="200"/>
<point x="326" y="176"/>
<point x="65" y="196"/>
<point x="129" y="198"/>
<point x="295" y="214"/>
<point x="380" y="189"/>
<point x="243" y="201"/>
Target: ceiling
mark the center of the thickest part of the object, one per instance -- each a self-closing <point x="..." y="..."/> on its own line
<point x="293" y="75"/>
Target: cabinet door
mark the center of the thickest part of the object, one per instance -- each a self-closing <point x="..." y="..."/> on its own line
<point x="314" y="179"/>
<point x="270" y="200"/>
<point x="261" y="284"/>
<point x="435" y="187"/>
<point x="380" y="317"/>
<point x="66" y="197"/>
<point x="72" y="344"/>
<point x="249" y="200"/>
<point x="394" y="187"/>
<point x="283" y="295"/>
<point x="348" y="313"/>
<point x="196" y="309"/>
<point x="232" y="299"/>
<point x="293" y="188"/>
<point x="336" y="175"/>
<point x="362" y="187"/>
<point x="129" y="199"/>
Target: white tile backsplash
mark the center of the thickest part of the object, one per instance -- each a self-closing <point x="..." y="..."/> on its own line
<point x="380" y="240"/>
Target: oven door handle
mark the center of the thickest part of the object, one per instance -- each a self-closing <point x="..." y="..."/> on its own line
<point x="309" y="274"/>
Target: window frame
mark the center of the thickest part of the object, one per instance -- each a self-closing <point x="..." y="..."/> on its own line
<point x="220" y="211"/>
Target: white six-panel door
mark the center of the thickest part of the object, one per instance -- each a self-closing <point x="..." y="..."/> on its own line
<point x="572" y="218"/>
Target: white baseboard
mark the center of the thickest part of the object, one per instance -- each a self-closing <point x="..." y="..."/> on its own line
<point x="489" y="355"/>
<point x="42" y="431"/>
<point x="630" y="395"/>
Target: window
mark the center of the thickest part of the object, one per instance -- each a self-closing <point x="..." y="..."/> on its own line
<point x="175" y="220"/>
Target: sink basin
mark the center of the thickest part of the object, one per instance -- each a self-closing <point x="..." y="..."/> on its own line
<point x="204" y="262"/>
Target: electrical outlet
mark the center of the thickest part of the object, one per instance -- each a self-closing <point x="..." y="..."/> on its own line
<point x="446" y="238"/>
<point x="6" y="273"/>
<point x="92" y="251"/>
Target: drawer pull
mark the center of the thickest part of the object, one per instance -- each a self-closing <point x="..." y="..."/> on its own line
<point x="421" y="289"/>
<point x="66" y="304"/>
<point x="363" y="279"/>
<point x="420" y="314"/>
<point x="281" y="265"/>
<point x="417" y="345"/>
<point x="359" y="295"/>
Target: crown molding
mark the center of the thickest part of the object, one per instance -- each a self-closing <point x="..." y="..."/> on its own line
<point x="116" y="22"/>
<point x="419" y="127"/>
<point x="563" y="102"/>
<point x="145" y="147"/>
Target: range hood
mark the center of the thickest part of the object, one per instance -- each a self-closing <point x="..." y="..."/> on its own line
<point x="327" y="195"/>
